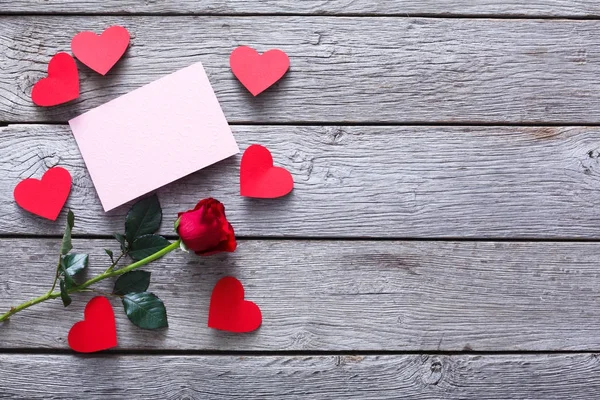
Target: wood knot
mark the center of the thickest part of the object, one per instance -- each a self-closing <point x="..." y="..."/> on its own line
<point x="590" y="163"/>
<point x="336" y="135"/>
<point x="434" y="371"/>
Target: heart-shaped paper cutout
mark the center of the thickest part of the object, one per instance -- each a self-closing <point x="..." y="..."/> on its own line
<point x="259" y="178"/>
<point x="228" y="309"/>
<point x="45" y="197"/>
<point x="258" y="72"/>
<point x="61" y="85"/>
<point x="101" y="52"/>
<point x="97" y="331"/>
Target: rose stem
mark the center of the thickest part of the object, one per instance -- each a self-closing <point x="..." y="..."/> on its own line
<point x="108" y="274"/>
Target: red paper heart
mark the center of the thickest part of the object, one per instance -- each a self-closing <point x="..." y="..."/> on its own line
<point x="258" y="72"/>
<point x="61" y="85"/>
<point x="228" y="309"/>
<point x="101" y="52"/>
<point x="259" y="178"/>
<point x="97" y="331"/>
<point x="45" y="197"/>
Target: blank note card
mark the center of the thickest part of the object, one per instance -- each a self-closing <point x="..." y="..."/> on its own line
<point x="153" y="135"/>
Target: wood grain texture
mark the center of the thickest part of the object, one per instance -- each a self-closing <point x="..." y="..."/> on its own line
<point x="344" y="70"/>
<point x="337" y="295"/>
<point x="324" y="377"/>
<point x="400" y="182"/>
<point x="570" y="8"/>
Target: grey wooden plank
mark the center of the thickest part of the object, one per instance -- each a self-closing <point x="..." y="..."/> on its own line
<point x="572" y="8"/>
<point x="337" y="295"/>
<point x="400" y="182"/>
<point x="397" y="70"/>
<point x="324" y="377"/>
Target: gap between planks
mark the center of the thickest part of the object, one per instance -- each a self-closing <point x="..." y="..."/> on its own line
<point x="514" y="16"/>
<point x="342" y="238"/>
<point x="284" y="353"/>
<point x="342" y="124"/>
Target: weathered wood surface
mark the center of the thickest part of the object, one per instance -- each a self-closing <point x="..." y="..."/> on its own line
<point x="367" y="70"/>
<point x="338" y="295"/>
<point x="425" y="182"/>
<point x="569" y="8"/>
<point x="574" y="376"/>
<point x="376" y="66"/>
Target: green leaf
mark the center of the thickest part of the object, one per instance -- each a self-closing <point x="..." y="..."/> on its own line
<point x="74" y="263"/>
<point x="121" y="239"/>
<point x="147" y="245"/>
<point x="110" y="254"/>
<point x="64" y="295"/>
<point x="144" y="217"/>
<point x="68" y="279"/>
<point x="66" y="245"/>
<point x="145" y="310"/>
<point x="132" y="282"/>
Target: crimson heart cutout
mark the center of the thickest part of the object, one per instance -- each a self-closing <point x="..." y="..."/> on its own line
<point x="101" y="52"/>
<point x="258" y="72"/>
<point x="61" y="85"/>
<point x="45" y="197"/>
<point x="229" y="311"/>
<point x="259" y="178"/>
<point x="97" y="331"/>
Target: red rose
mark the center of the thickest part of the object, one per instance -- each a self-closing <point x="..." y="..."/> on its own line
<point x="205" y="229"/>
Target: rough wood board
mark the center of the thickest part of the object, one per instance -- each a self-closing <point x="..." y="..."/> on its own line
<point x="398" y="182"/>
<point x="400" y="70"/>
<point x="574" y="376"/>
<point x="338" y="295"/>
<point x="574" y="8"/>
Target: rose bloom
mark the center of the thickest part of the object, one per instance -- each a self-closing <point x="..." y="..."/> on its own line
<point x="205" y="229"/>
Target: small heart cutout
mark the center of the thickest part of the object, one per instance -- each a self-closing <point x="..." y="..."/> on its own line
<point x="228" y="309"/>
<point x="97" y="331"/>
<point x="259" y="178"/>
<point x="101" y="52"/>
<point x="61" y="85"/>
<point x="258" y="72"/>
<point x="45" y="197"/>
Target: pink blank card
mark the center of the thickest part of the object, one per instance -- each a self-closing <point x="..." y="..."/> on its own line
<point x="153" y="135"/>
